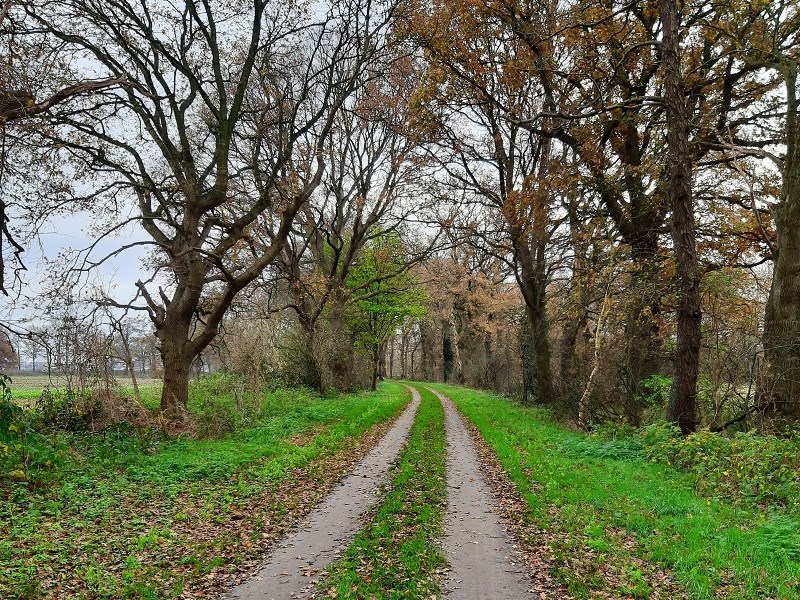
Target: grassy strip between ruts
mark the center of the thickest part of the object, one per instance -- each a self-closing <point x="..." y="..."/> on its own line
<point x="397" y="554"/>
<point x="124" y="519"/>
<point x="604" y="516"/>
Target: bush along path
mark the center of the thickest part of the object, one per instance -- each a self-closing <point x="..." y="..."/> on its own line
<point x="291" y="568"/>
<point x="398" y="553"/>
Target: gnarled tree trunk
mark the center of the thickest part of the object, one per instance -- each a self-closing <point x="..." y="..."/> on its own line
<point x="177" y="359"/>
<point x="536" y="342"/>
<point x="642" y="350"/>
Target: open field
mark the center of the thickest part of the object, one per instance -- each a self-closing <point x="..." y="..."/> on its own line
<point x="27" y="388"/>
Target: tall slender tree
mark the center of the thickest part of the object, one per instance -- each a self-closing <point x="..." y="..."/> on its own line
<point x="682" y="406"/>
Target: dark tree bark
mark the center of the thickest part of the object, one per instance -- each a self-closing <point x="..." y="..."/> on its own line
<point x="432" y="352"/>
<point x="378" y="355"/>
<point x="571" y="359"/>
<point x="779" y="392"/>
<point x="390" y="361"/>
<point x="536" y="341"/>
<point x="682" y="405"/>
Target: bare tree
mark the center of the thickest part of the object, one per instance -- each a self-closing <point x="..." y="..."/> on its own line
<point x="32" y="82"/>
<point x="34" y="343"/>
<point x="214" y="144"/>
<point x="123" y="330"/>
<point x="374" y="185"/>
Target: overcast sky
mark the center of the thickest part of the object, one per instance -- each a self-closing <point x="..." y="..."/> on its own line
<point x="118" y="275"/>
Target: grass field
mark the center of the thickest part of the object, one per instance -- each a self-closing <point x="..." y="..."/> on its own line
<point x="119" y="516"/>
<point x="27" y="388"/>
<point x="607" y="509"/>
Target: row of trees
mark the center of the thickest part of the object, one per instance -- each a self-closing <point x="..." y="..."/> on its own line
<point x="59" y="346"/>
<point x="566" y="189"/>
<point x="578" y="124"/>
<point x="214" y="138"/>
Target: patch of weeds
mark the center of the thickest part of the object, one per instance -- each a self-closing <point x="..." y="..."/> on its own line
<point x="396" y="554"/>
<point x="614" y="449"/>
<point x="746" y="468"/>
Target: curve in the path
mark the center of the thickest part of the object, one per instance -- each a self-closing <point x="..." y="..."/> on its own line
<point x="484" y="564"/>
<point x="291" y="567"/>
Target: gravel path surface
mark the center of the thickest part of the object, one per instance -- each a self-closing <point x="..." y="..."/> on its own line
<point x="291" y="570"/>
<point x="484" y="564"/>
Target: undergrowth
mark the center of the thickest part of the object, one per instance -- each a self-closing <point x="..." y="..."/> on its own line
<point x="746" y="468"/>
<point x="123" y="515"/>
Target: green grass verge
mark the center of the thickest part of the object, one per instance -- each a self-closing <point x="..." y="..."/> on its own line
<point x="396" y="555"/>
<point x="573" y="486"/>
<point x="124" y="517"/>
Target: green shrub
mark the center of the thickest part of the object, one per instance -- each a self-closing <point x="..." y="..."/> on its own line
<point x="761" y="470"/>
<point x="749" y="468"/>
<point x="66" y="410"/>
<point x="223" y="404"/>
<point x="25" y="454"/>
<point x="612" y="430"/>
<point x="609" y="440"/>
<point x="656" y="390"/>
<point x="621" y="449"/>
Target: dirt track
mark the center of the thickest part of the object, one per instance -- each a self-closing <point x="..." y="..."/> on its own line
<point x="484" y="563"/>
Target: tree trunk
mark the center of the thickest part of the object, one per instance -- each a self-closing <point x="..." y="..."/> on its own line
<point x="390" y="364"/>
<point x="432" y="352"/>
<point x="536" y="357"/>
<point x="583" y="402"/>
<point x="403" y="351"/>
<point x="642" y="351"/>
<point x="682" y="406"/>
<point x="376" y="361"/>
<point x="779" y="388"/>
<point x="343" y="359"/>
<point x="132" y="370"/>
<point x="456" y="373"/>
<point x="382" y="354"/>
<point x="177" y="363"/>
<point x="128" y="359"/>
<point x="536" y="343"/>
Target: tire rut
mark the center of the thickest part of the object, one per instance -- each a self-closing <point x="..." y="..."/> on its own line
<point x="484" y="562"/>
<point x="290" y="570"/>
